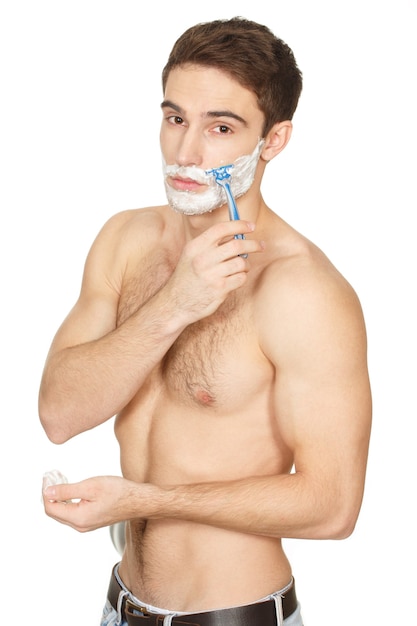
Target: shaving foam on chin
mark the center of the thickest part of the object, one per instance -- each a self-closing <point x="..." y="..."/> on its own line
<point x="194" y="203"/>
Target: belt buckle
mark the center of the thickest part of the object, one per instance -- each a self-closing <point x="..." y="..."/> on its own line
<point x="132" y="610"/>
<point x="131" y="607"/>
<point x="139" y="613"/>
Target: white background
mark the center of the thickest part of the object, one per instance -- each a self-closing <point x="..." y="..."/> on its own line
<point x="80" y="95"/>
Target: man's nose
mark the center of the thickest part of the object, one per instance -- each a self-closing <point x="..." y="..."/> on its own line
<point x="190" y="149"/>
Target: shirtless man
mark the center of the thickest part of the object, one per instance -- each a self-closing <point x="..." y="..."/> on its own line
<point x="236" y="367"/>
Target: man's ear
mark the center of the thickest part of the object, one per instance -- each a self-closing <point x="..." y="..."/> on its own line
<point x="276" y="139"/>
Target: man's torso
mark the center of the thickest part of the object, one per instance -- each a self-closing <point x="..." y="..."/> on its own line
<point x="205" y="414"/>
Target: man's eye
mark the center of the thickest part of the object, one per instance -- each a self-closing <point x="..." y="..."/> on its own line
<point x="222" y="129"/>
<point x="176" y="119"/>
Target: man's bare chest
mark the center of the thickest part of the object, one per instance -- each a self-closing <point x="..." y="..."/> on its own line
<point x="205" y="362"/>
<point x="213" y="360"/>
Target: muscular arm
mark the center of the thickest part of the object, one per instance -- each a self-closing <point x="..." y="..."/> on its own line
<point x="95" y="367"/>
<point x="315" y="338"/>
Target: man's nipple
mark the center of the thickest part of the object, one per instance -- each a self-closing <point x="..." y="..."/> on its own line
<point x="204" y="397"/>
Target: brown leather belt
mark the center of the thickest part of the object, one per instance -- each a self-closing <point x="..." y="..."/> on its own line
<point x="258" y="614"/>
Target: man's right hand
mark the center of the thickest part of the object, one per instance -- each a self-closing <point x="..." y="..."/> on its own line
<point x="210" y="267"/>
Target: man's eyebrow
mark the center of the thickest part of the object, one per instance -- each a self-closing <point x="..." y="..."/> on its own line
<point x="168" y="104"/>
<point x="227" y="113"/>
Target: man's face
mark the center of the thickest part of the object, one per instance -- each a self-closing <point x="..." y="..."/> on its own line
<point x="209" y="120"/>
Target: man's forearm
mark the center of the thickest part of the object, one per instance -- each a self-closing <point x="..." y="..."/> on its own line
<point x="84" y="385"/>
<point x="288" y="506"/>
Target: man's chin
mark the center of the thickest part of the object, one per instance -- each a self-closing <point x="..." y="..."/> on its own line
<point x="189" y="203"/>
<point x="189" y="212"/>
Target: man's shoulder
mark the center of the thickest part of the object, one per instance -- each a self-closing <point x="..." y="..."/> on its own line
<point x="128" y="235"/>
<point x="299" y="264"/>
<point x="146" y="220"/>
<point x="301" y="277"/>
<point x="302" y="298"/>
<point x="138" y="228"/>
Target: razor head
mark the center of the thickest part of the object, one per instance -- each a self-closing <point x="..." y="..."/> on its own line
<point x="221" y="173"/>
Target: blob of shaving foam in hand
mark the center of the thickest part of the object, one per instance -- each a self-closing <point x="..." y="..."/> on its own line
<point x="53" y="477"/>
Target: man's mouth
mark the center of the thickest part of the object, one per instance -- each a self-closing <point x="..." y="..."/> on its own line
<point x="185" y="184"/>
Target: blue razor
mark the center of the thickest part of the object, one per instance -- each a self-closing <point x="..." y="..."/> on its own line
<point x="222" y="176"/>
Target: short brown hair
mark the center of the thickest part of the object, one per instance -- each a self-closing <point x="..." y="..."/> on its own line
<point x="251" y="54"/>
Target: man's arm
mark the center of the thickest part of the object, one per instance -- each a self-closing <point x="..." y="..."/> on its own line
<point x="315" y="337"/>
<point x="95" y="367"/>
<point x="323" y="397"/>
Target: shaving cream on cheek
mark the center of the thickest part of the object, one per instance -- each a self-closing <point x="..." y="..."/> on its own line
<point x="192" y="203"/>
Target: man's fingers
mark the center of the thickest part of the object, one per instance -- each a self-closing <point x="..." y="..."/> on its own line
<point x="239" y="248"/>
<point x="224" y="230"/>
<point x="61" y="493"/>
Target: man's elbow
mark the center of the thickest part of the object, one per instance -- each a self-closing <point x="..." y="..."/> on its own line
<point x="51" y="423"/>
<point x="53" y="431"/>
<point x="343" y="529"/>
<point x="340" y="524"/>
